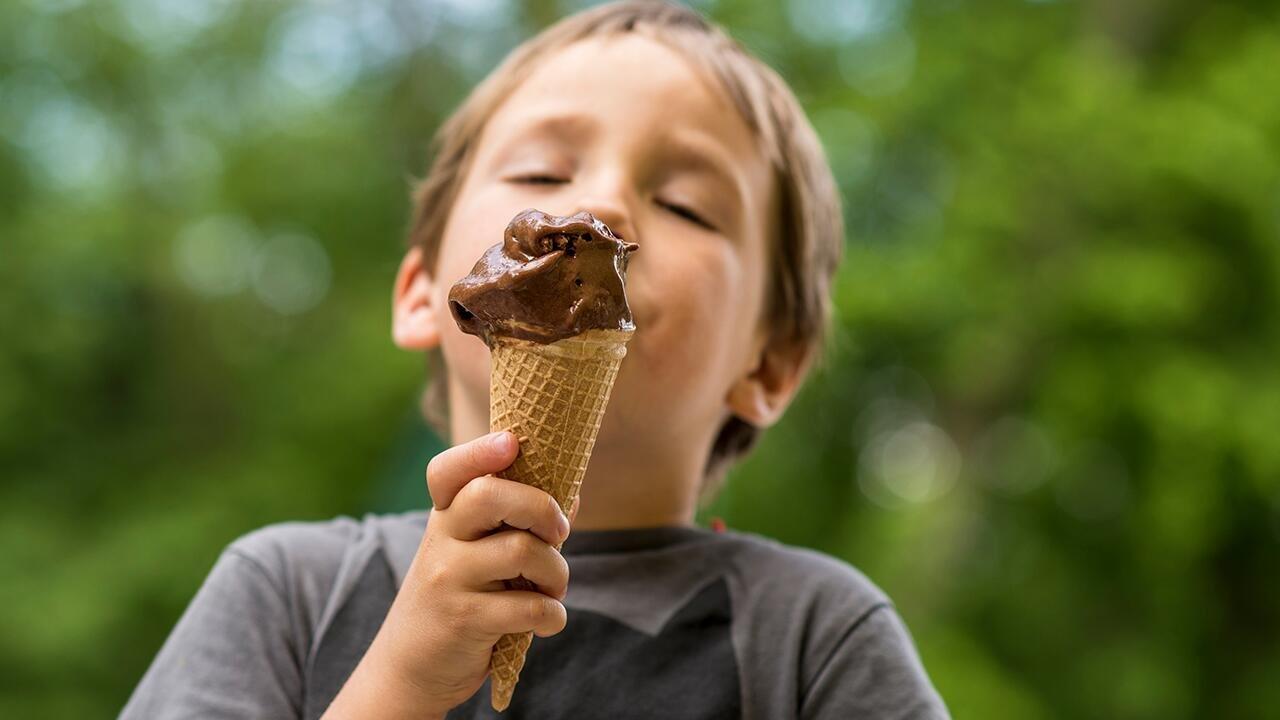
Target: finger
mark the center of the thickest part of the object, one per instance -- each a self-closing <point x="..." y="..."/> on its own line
<point x="450" y="470"/>
<point x="515" y="553"/>
<point x="518" y="611"/>
<point x="487" y="503"/>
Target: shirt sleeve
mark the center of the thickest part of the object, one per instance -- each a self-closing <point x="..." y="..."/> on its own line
<point x="873" y="672"/>
<point x="231" y="655"/>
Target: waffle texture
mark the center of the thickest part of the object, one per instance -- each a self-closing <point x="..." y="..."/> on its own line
<point x="552" y="397"/>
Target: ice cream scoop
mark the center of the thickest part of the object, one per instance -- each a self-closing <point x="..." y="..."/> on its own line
<point x="550" y="278"/>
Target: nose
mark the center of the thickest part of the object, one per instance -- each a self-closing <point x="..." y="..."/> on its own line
<point x="611" y="212"/>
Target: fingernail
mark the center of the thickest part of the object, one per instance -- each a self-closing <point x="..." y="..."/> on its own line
<point x="501" y="441"/>
<point x="563" y="523"/>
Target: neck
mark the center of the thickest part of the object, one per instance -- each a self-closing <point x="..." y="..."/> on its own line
<point x="625" y="486"/>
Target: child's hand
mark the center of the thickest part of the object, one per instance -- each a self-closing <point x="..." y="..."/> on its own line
<point x="432" y="652"/>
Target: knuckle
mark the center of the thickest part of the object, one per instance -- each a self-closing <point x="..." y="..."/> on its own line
<point x="438" y="575"/>
<point x="488" y="489"/>
<point x="523" y="546"/>
<point x="448" y="573"/>
<point x="479" y="491"/>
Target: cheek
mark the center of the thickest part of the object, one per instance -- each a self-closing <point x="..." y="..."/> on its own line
<point x="465" y="355"/>
<point x="473" y="227"/>
<point x="688" y="303"/>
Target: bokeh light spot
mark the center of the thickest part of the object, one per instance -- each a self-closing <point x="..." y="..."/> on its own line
<point x="879" y="64"/>
<point x="833" y="21"/>
<point x="213" y="255"/>
<point x="314" y="53"/>
<point x="291" y="273"/>
<point x="916" y="463"/>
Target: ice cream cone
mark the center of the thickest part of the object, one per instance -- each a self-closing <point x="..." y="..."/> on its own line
<point x="552" y="397"/>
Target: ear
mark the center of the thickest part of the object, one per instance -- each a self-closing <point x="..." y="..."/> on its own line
<point x="761" y="395"/>
<point x="414" y="323"/>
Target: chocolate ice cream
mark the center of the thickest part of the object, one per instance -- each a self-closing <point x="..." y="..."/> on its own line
<point x="550" y="278"/>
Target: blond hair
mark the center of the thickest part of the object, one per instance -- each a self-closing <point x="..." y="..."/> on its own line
<point x="802" y="260"/>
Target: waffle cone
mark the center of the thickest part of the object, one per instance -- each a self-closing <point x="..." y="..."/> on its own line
<point x="552" y="397"/>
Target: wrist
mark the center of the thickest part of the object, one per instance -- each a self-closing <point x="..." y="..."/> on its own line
<point x="378" y="689"/>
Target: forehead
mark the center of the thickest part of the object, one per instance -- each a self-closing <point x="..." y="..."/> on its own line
<point x="617" y="68"/>
<point x="634" y="84"/>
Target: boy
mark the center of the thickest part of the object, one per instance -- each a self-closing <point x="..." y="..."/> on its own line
<point x="656" y="123"/>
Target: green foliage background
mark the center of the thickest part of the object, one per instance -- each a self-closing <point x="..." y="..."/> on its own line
<point x="1048" y="427"/>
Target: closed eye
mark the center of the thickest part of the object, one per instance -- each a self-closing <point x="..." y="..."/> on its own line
<point x="687" y="213"/>
<point x="538" y="179"/>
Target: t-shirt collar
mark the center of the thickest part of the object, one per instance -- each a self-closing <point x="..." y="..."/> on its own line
<point x="600" y="542"/>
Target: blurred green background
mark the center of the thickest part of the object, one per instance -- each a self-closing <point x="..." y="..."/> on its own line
<point x="1051" y="423"/>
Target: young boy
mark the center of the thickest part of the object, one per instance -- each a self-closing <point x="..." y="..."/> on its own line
<point x="656" y="123"/>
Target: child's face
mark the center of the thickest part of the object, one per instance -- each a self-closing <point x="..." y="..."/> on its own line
<point x="624" y="128"/>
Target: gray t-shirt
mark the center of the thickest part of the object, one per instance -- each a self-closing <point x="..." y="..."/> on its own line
<point x="670" y="622"/>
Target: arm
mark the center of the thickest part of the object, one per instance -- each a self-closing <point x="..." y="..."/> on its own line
<point x="874" y="671"/>
<point x="231" y="654"/>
